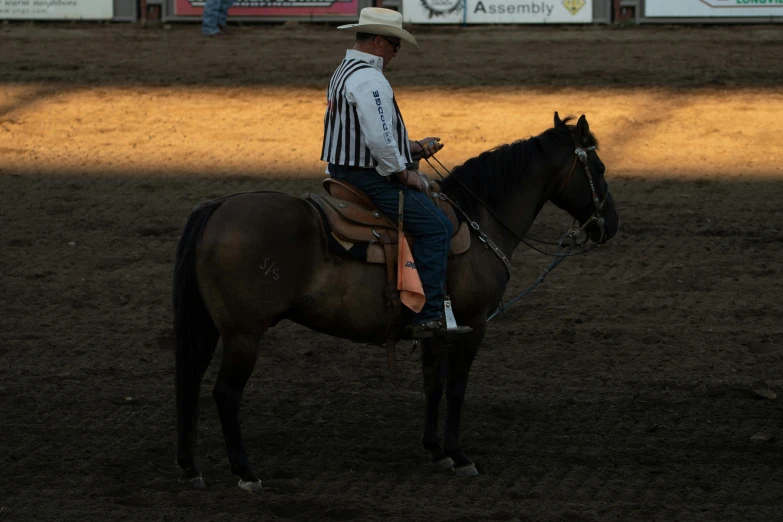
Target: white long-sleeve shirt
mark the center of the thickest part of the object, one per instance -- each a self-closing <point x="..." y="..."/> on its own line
<point x="363" y="126"/>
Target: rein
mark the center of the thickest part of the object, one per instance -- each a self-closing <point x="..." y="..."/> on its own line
<point x="571" y="234"/>
<point x="482" y="235"/>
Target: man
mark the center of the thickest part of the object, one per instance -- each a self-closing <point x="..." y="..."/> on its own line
<point x="366" y="144"/>
<point x="213" y="21"/>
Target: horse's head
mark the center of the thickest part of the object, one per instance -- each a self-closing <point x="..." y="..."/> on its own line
<point x="581" y="188"/>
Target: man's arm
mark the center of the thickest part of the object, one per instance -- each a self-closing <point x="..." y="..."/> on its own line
<point x="374" y="104"/>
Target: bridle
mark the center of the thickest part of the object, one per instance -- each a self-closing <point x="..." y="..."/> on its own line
<point x="573" y="232"/>
<point x="571" y="235"/>
<point x="598" y="204"/>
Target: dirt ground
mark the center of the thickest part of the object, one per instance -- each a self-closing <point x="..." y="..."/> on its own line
<point x="620" y="390"/>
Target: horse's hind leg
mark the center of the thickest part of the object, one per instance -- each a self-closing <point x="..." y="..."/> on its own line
<point x="240" y="352"/>
<point x="434" y="372"/>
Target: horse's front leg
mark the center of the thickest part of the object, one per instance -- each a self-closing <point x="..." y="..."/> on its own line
<point x="458" y="363"/>
<point x="433" y="371"/>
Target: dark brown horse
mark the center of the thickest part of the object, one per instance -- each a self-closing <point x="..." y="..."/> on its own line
<point x="247" y="261"/>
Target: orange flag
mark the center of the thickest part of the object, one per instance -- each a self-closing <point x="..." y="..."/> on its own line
<point x="408" y="282"/>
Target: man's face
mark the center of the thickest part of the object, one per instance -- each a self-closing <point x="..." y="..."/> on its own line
<point x="387" y="48"/>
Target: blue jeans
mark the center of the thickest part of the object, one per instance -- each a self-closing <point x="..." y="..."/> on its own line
<point x="215" y="14"/>
<point x="429" y="226"/>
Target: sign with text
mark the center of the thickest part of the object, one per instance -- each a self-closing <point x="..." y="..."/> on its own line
<point x="287" y="8"/>
<point x="704" y="8"/>
<point x="56" y="9"/>
<point x="497" y="11"/>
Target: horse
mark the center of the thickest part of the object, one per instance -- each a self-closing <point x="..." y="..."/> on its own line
<point x="246" y="261"/>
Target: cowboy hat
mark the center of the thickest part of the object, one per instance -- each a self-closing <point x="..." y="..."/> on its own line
<point x="383" y="22"/>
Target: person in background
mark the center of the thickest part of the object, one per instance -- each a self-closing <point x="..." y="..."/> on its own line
<point x="213" y="21"/>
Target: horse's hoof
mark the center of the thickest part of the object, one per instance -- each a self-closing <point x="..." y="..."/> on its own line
<point x="194" y="482"/>
<point x="251" y="486"/>
<point x="445" y="463"/>
<point x="468" y="470"/>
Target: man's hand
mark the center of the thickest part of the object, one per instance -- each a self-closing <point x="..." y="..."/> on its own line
<point x="412" y="179"/>
<point x="425" y="148"/>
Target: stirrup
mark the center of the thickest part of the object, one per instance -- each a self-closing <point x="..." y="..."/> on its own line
<point x="445" y="326"/>
<point x="451" y="322"/>
<point x="448" y="313"/>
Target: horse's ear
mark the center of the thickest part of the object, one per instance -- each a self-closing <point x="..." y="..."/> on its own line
<point x="558" y="122"/>
<point x="583" y="130"/>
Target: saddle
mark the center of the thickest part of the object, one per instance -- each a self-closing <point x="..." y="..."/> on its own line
<point x="352" y="219"/>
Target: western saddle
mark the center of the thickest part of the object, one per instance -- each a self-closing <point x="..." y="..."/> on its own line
<point x="352" y="219"/>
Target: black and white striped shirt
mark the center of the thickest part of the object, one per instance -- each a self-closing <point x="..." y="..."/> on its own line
<point x="363" y="126"/>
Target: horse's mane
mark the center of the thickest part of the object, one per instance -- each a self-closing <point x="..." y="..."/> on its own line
<point x="492" y="174"/>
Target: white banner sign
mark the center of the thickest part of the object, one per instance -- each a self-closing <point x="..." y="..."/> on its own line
<point x="57" y="9"/>
<point x="703" y="8"/>
<point x="497" y="11"/>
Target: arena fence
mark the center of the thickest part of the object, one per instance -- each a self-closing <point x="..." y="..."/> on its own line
<point x="269" y="10"/>
<point x="699" y="11"/>
<point x="414" y="11"/>
<point x="507" y="11"/>
<point x="52" y="10"/>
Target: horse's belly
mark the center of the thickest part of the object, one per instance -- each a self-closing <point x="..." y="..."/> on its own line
<point x="346" y="299"/>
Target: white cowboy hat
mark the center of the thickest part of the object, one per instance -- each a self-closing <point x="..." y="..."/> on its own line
<point x="383" y="22"/>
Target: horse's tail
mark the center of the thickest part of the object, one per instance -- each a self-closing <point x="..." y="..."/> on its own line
<point x="195" y="333"/>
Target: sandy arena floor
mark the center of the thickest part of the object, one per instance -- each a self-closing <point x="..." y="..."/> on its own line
<point x="622" y="389"/>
